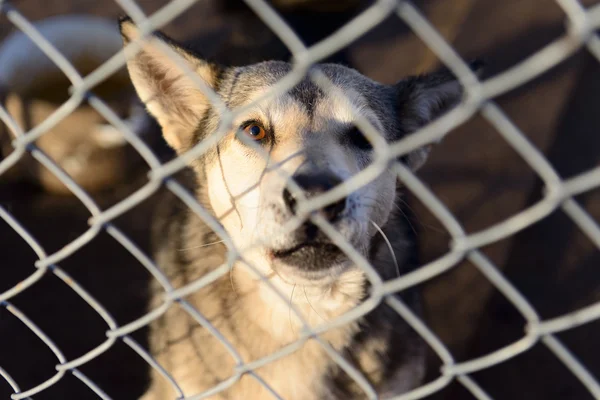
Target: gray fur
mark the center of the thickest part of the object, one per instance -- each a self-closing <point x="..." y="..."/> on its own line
<point x="309" y="128"/>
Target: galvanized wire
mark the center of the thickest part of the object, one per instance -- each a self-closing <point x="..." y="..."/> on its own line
<point x="478" y="98"/>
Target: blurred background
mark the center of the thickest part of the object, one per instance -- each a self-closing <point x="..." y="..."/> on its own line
<point x="473" y="171"/>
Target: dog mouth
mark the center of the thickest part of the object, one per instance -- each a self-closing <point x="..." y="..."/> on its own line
<point x="303" y="247"/>
<point x="309" y="256"/>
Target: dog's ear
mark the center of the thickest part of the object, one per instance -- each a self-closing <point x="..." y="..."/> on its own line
<point x="421" y="99"/>
<point x="172" y="97"/>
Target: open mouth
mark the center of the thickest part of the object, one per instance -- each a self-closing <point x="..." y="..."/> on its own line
<point x="318" y="247"/>
<point x="310" y="256"/>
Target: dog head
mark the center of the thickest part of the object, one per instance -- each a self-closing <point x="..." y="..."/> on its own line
<point x="306" y="135"/>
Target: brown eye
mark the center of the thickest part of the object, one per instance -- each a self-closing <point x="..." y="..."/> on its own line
<point x="255" y="131"/>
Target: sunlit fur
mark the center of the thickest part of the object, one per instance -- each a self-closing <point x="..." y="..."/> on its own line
<point x="242" y="189"/>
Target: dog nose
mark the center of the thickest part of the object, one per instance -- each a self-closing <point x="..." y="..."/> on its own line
<point x="312" y="186"/>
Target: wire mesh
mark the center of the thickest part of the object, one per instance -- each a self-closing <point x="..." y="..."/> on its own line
<point x="478" y="98"/>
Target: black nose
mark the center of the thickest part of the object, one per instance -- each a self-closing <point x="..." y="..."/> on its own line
<point x="312" y="186"/>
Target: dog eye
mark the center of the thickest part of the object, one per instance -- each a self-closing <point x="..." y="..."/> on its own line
<point x="255" y="131"/>
<point x="359" y="140"/>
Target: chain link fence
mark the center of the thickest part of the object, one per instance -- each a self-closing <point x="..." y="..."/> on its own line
<point x="479" y="98"/>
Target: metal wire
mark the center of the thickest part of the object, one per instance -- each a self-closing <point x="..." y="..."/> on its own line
<point x="478" y="98"/>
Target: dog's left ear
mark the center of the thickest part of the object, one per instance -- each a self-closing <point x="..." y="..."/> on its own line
<point x="421" y="99"/>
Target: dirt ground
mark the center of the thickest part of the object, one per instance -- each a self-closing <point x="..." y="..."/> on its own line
<point x="473" y="171"/>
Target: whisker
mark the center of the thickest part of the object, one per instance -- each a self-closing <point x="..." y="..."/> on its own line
<point x="311" y="306"/>
<point x="429" y="226"/>
<point x="290" y="308"/>
<point x="406" y="218"/>
<point x="389" y="246"/>
<point x="231" y="196"/>
<point x="231" y="281"/>
<point x="404" y="214"/>
<point x="370" y="205"/>
<point x="200" y="246"/>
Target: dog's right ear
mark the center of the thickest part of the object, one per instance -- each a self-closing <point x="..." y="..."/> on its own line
<point x="172" y="97"/>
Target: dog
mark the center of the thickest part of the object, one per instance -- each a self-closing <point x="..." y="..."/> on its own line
<point x="310" y="138"/>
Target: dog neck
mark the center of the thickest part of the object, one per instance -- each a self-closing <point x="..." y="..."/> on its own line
<point x="284" y="309"/>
